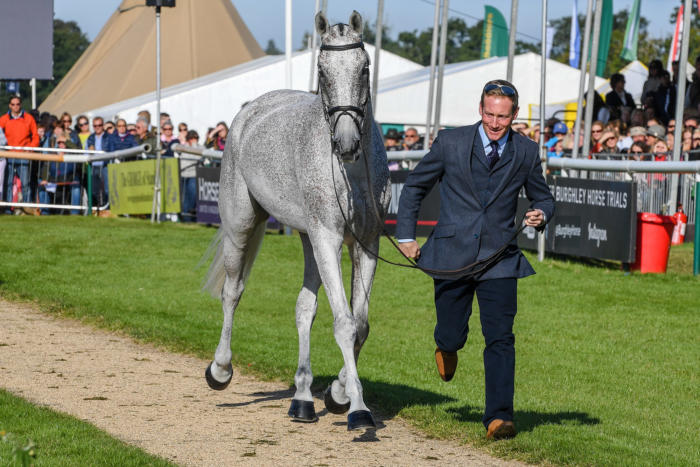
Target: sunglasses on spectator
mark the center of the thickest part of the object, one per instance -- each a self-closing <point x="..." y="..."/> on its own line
<point x="66" y="120"/>
<point x="182" y="129"/>
<point x="167" y="128"/>
<point x="83" y="123"/>
<point x="411" y="136"/>
<point x="506" y="90"/>
<point x="16" y="104"/>
<point x="596" y="131"/>
<point x="97" y="125"/>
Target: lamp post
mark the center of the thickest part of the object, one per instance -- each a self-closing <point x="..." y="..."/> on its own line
<point x="155" y="210"/>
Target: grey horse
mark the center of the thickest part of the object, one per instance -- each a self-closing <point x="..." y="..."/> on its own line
<point x="316" y="163"/>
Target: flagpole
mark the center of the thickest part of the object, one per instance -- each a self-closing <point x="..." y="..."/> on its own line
<point x="377" y="49"/>
<point x="511" y="38"/>
<point x="590" y="98"/>
<point x="680" y="101"/>
<point x="582" y="83"/>
<point x="441" y="63"/>
<point x="431" y="84"/>
<point x="543" y="150"/>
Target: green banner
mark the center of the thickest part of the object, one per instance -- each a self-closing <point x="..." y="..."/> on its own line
<point x="606" y="24"/>
<point x="131" y="186"/>
<point x="494" y="38"/>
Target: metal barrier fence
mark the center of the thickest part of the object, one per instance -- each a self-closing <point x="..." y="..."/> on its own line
<point x="55" y="180"/>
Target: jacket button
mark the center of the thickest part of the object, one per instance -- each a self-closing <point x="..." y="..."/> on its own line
<point x="476" y="235"/>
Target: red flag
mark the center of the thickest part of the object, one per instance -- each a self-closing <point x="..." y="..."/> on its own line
<point x="675" y="49"/>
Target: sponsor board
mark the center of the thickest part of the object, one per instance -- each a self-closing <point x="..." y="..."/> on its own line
<point x="208" y="195"/>
<point x="592" y="219"/>
<point x="131" y="186"/>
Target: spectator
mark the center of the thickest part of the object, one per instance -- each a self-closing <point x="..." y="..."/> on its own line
<point x="534" y="133"/>
<point x="188" y="172"/>
<point x="82" y="128"/>
<point x="660" y="150"/>
<point x="600" y="109"/>
<point x="97" y="141"/>
<point x="555" y="147"/>
<point x="182" y="133"/>
<point x="596" y="133"/>
<point x="131" y="129"/>
<point x="560" y="131"/>
<point x="168" y="139"/>
<point x="411" y="140"/>
<point x="655" y="133"/>
<point x="694" y="156"/>
<point x="674" y="77"/>
<point x="163" y="117"/>
<point x="690" y="121"/>
<point x="120" y="139"/>
<point x="638" y="149"/>
<point x="618" y="99"/>
<point x="664" y="98"/>
<point x="109" y="127"/>
<point x="143" y="136"/>
<point x="216" y="138"/>
<point x="608" y="141"/>
<point x="654" y="80"/>
<point x="20" y="130"/>
<point x="692" y="95"/>
<point x="65" y="122"/>
<point x="687" y="141"/>
<point x="60" y="180"/>
<point x="147" y="115"/>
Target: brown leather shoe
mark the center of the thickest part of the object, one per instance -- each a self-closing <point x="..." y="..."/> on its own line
<point x="500" y="429"/>
<point x="446" y="363"/>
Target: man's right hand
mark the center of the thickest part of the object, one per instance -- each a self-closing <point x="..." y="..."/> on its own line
<point x="410" y="249"/>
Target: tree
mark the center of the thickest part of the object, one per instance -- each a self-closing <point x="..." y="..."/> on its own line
<point x="69" y="43"/>
<point x="272" y="49"/>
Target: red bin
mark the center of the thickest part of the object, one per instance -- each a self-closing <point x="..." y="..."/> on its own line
<point x="653" y="242"/>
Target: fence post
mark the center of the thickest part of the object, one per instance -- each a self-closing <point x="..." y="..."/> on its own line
<point x="89" y="189"/>
<point x="696" y="244"/>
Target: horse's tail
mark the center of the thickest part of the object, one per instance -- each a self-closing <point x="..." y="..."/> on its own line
<point x="213" y="282"/>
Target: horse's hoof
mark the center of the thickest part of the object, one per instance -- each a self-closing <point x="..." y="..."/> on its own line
<point x="331" y="405"/>
<point x="215" y="384"/>
<point x="302" y="411"/>
<point x="360" y="419"/>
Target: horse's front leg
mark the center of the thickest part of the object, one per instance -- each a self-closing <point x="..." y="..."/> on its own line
<point x="302" y="407"/>
<point x="327" y="250"/>
<point x="364" y="265"/>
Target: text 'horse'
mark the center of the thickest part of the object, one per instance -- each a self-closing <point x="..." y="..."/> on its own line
<point x="317" y="164"/>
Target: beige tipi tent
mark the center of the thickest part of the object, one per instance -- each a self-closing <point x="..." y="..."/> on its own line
<point x="198" y="37"/>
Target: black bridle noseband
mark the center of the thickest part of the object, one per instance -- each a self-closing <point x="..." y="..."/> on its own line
<point x="359" y="112"/>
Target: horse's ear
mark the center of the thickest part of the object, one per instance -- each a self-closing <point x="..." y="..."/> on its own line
<point x="356" y="22"/>
<point x="321" y="23"/>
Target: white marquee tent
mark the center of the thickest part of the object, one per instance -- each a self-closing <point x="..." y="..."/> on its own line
<point x="204" y="101"/>
<point x="403" y="99"/>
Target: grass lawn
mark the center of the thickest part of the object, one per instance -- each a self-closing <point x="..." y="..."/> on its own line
<point x="607" y="363"/>
<point x="62" y="440"/>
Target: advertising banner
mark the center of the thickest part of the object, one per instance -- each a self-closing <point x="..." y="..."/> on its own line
<point x="592" y="219"/>
<point x="208" y="195"/>
<point x="131" y="186"/>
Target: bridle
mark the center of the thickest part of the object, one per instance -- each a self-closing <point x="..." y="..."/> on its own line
<point x="358" y="117"/>
<point x="472" y="270"/>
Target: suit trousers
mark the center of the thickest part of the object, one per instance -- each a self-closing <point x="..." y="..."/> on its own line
<point x="497" y="308"/>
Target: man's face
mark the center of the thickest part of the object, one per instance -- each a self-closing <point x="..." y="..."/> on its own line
<point x="639" y="138"/>
<point x="15" y="106"/>
<point x="497" y="116"/>
<point x="410" y="137"/>
<point x="98" y="125"/>
<point x="141" y="128"/>
<point x="620" y="85"/>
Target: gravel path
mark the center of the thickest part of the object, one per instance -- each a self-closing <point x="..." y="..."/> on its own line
<point x="160" y="402"/>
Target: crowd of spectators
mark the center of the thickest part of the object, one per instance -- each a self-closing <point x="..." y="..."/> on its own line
<point x="62" y="183"/>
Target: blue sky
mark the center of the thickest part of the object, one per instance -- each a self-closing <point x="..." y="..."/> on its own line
<point x="265" y="18"/>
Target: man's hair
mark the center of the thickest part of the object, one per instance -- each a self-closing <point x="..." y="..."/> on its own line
<point x="146" y="115"/>
<point x="616" y="78"/>
<point x="9" y="101"/>
<point x="98" y="118"/>
<point x="192" y="135"/>
<point x="499" y="92"/>
<point x="143" y="120"/>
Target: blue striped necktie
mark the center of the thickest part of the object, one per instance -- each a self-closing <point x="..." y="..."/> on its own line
<point x="492" y="157"/>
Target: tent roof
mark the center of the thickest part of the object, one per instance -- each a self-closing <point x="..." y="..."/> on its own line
<point x="197" y="38"/>
<point x="404" y="98"/>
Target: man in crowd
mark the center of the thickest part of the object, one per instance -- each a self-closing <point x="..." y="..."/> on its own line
<point x="392" y="140"/>
<point x="481" y="169"/>
<point x="97" y="142"/>
<point x="120" y="139"/>
<point x="654" y="134"/>
<point x="618" y="100"/>
<point x="411" y="140"/>
<point x="143" y="136"/>
<point x="20" y="130"/>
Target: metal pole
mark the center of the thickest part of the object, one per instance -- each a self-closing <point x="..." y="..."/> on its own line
<point x="441" y="63"/>
<point x="314" y="36"/>
<point x="511" y="38"/>
<point x="288" y="43"/>
<point x="680" y="102"/>
<point x="377" y="49"/>
<point x="431" y="84"/>
<point x="696" y="245"/>
<point x="590" y="98"/>
<point x="543" y="150"/>
<point x="324" y="8"/>
<point x="32" y="83"/>
<point x="155" y="210"/>
<point x="582" y="81"/>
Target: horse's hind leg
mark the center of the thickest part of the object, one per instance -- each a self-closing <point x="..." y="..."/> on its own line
<point x="302" y="408"/>
<point x="363" y="268"/>
<point x="243" y="233"/>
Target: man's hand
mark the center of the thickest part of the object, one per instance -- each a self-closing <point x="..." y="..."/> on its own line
<point x="534" y="218"/>
<point x="410" y="249"/>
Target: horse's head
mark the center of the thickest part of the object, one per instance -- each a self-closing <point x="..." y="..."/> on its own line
<point x="343" y="77"/>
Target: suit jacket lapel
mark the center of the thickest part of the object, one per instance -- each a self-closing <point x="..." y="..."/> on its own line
<point x="510" y="161"/>
<point x="464" y="152"/>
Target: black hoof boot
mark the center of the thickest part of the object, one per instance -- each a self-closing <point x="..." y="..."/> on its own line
<point x="302" y="411"/>
<point x="331" y="405"/>
<point x="360" y="419"/>
<point x="214" y="384"/>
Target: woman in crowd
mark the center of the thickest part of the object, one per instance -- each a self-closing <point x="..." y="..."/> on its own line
<point x="596" y="133"/>
<point x="608" y="142"/>
<point x="167" y="138"/>
<point x="182" y="132"/>
<point x="216" y="139"/>
<point x="82" y="127"/>
<point x="65" y="122"/>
